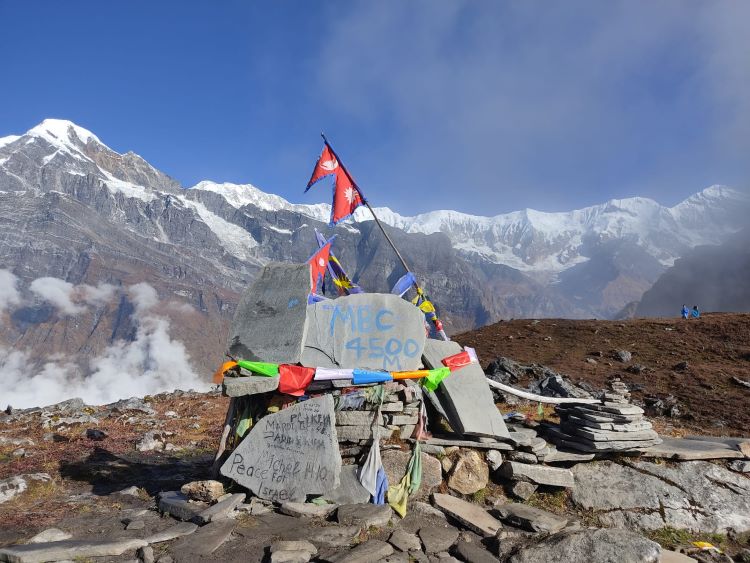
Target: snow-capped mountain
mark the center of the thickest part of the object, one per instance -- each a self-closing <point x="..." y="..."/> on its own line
<point x="74" y="209"/>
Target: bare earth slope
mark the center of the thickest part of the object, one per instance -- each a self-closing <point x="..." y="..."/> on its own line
<point x="716" y="348"/>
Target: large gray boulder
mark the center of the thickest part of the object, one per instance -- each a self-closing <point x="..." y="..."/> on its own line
<point x="269" y="324"/>
<point x="376" y="331"/>
<point x="695" y="495"/>
<point x="290" y="454"/>
<point x="587" y="546"/>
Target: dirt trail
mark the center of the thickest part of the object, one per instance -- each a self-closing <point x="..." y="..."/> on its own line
<point x="716" y="347"/>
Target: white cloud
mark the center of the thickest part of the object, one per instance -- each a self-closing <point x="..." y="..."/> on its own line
<point x="57" y="292"/>
<point x="96" y="295"/>
<point x="153" y="362"/>
<point x="9" y="294"/>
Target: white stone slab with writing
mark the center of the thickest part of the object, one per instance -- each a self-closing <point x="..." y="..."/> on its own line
<point x="465" y="394"/>
<point x="269" y="324"/>
<point x="377" y="331"/>
<point x="290" y="454"/>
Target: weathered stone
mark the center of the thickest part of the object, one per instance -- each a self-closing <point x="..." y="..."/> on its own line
<point x="269" y="323"/>
<point x="150" y="441"/>
<point x="206" y="491"/>
<point x="668" y="556"/>
<point x="291" y="556"/>
<point x="404" y="541"/>
<point x="205" y="540"/>
<point x="50" y="535"/>
<point x="523" y="457"/>
<point x="438" y="538"/>
<point x="398" y="406"/>
<point x="614" y="426"/>
<point x="695" y="495"/>
<point x="470" y="515"/>
<point x="146" y="554"/>
<point x="367" y="330"/>
<point x="68" y="549"/>
<point x="474" y="552"/>
<point x="683" y="449"/>
<point x="294" y="545"/>
<point x="500" y="446"/>
<point x="609" y="435"/>
<point x="559" y="456"/>
<point x="181" y="529"/>
<point x="426" y="510"/>
<point x="400" y="420"/>
<point x="465" y="395"/>
<point x="357" y="418"/>
<point x="95" y="434"/>
<point x="136" y="524"/>
<point x="364" y="515"/>
<point x="623" y="355"/>
<point x="530" y="518"/>
<point x="396" y="461"/>
<point x="539" y="474"/>
<point x="16" y="485"/>
<point x="307" y="509"/>
<point x="357" y="433"/>
<point x="176" y="504"/>
<point x="443" y="557"/>
<point x="350" y="490"/>
<point x="371" y="551"/>
<point x="290" y="454"/>
<point x="470" y="473"/>
<point x="249" y="385"/>
<point x="521" y="489"/>
<point x="334" y="536"/>
<point x="494" y="459"/>
<point x="585" y="546"/>
<point x="740" y="466"/>
<point x="221" y="509"/>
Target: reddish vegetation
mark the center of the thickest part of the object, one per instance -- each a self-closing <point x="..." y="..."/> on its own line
<point x="716" y="347"/>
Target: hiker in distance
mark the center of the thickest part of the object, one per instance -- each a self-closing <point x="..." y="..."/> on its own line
<point x="685" y="311"/>
<point x="695" y="312"/>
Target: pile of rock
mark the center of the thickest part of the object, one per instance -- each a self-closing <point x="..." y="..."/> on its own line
<point x="613" y="426"/>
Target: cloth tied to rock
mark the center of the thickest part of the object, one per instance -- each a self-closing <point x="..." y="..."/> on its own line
<point x="327" y="374"/>
<point x="457" y="361"/>
<point x="293" y="380"/>
<point x="398" y="495"/>
<point x="260" y="368"/>
<point x="432" y="381"/>
<point x="219" y="373"/>
<point x="363" y="376"/>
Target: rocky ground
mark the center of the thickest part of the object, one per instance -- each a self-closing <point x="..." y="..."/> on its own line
<point x="117" y="482"/>
<point x="692" y="370"/>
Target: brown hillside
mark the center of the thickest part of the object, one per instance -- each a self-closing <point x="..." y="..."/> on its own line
<point x="716" y="348"/>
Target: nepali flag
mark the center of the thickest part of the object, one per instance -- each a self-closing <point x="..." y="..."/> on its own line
<point x="318" y="265"/>
<point x="346" y="194"/>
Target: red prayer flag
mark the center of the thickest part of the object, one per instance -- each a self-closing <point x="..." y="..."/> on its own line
<point x="346" y="194"/>
<point x="457" y="361"/>
<point x="318" y="265"/>
<point x="293" y="380"/>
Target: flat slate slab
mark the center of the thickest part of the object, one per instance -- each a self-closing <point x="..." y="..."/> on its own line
<point x="68" y="550"/>
<point x="251" y="385"/>
<point x="350" y="490"/>
<point x="686" y="449"/>
<point x="376" y="331"/>
<point x="206" y="540"/>
<point x="269" y="324"/>
<point x="465" y="395"/>
<point x="436" y="441"/>
<point x="530" y="518"/>
<point x="539" y="474"/>
<point x="289" y="454"/>
<point x="470" y="515"/>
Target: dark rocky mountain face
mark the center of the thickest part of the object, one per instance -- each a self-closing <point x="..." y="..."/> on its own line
<point x="713" y="277"/>
<point x="74" y="210"/>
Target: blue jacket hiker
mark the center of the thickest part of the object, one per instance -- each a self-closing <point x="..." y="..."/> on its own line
<point x="695" y="313"/>
<point x="685" y="312"/>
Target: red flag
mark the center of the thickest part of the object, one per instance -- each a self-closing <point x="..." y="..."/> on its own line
<point x="346" y="194"/>
<point x="318" y="265"/>
<point x="293" y="380"/>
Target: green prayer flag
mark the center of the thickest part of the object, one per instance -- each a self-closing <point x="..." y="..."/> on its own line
<point x="434" y="377"/>
<point x="260" y="368"/>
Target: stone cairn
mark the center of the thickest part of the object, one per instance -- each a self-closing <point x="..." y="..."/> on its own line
<point x="616" y="425"/>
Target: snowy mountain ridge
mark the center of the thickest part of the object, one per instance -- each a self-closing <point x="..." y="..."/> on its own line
<point x="538" y="243"/>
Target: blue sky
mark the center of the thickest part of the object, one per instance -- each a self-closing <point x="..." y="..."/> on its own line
<point x="481" y="106"/>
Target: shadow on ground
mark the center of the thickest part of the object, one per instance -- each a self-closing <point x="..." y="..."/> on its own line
<point x="154" y="472"/>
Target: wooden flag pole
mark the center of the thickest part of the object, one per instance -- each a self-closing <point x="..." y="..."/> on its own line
<point x="382" y="230"/>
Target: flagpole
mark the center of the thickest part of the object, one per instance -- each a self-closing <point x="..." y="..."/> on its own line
<point x="367" y="203"/>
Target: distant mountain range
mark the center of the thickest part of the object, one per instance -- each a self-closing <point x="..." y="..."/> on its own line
<point x="73" y="209"/>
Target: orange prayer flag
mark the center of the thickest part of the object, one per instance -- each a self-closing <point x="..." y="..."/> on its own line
<point x="219" y="374"/>
<point x="418" y="374"/>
